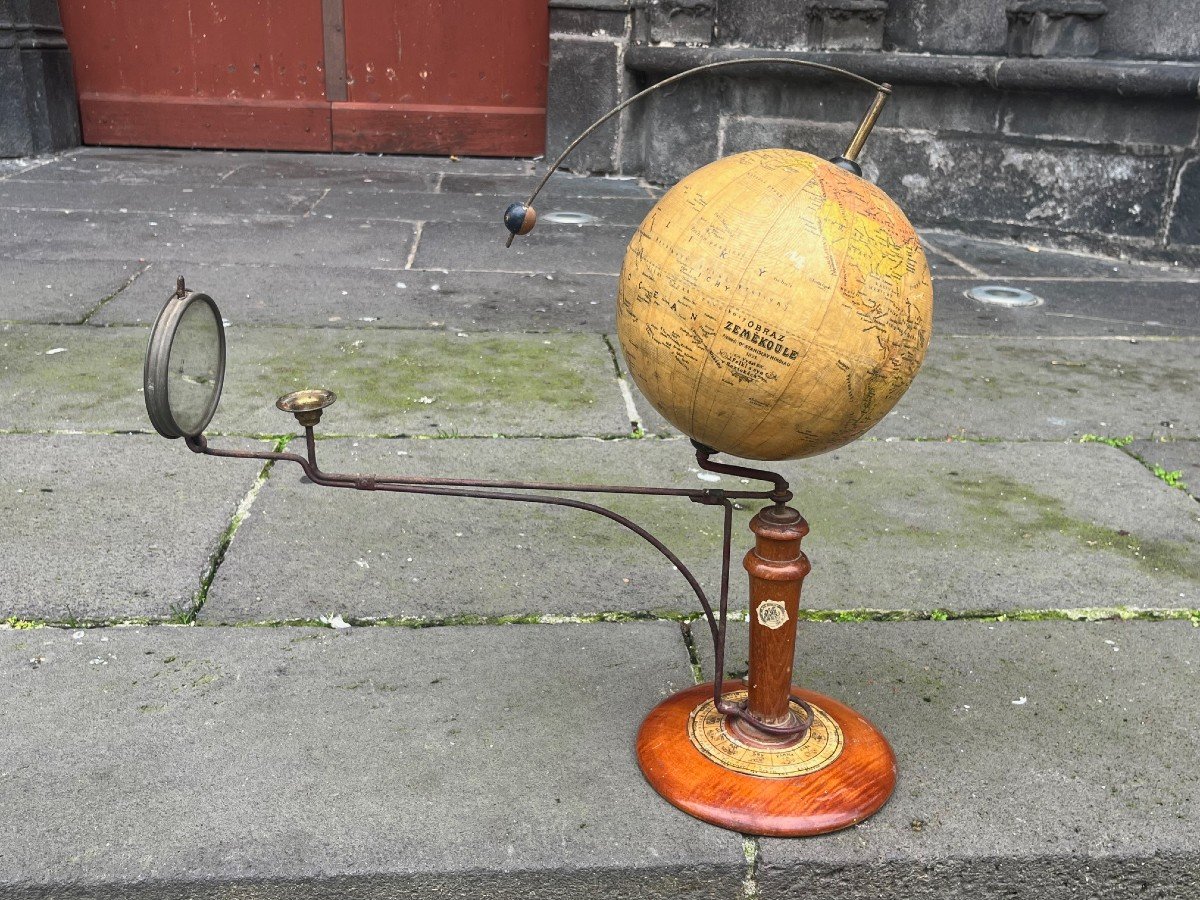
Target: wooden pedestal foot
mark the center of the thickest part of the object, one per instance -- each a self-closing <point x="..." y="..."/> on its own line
<point x="723" y="769"/>
<point x="840" y="773"/>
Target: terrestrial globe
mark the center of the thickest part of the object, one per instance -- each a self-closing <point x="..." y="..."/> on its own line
<point x="774" y="305"/>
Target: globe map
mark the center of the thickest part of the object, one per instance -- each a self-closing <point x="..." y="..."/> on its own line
<point x="773" y="305"/>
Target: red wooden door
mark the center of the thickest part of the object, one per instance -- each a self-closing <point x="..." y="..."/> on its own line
<point x="189" y="73"/>
<point x="436" y="76"/>
<point x="395" y="76"/>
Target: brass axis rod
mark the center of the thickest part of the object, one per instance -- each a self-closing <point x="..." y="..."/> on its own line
<point x="868" y="122"/>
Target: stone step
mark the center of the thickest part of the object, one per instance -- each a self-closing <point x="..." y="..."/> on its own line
<point x="1040" y="760"/>
<point x="908" y="530"/>
<point x="388" y="382"/>
<point x="563" y="384"/>
<point x="111" y="527"/>
<point x="382" y="762"/>
<point x="1037" y="760"/>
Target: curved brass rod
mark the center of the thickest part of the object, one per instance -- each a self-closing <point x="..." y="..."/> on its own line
<point x="883" y="89"/>
<point x="475" y="490"/>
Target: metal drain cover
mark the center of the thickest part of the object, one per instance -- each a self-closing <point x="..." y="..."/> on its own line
<point x="1002" y="295"/>
<point x="569" y="218"/>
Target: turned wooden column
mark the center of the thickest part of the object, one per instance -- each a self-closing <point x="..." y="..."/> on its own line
<point x="777" y="568"/>
<point x="820" y="767"/>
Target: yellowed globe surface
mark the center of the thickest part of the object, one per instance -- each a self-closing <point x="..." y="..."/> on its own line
<point x="774" y="306"/>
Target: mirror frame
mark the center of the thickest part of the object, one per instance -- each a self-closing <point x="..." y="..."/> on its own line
<point x="155" y="377"/>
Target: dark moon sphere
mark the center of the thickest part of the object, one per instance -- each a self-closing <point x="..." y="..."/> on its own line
<point x="520" y="218"/>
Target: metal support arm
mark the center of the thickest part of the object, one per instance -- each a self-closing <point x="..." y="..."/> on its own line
<point x="482" y="489"/>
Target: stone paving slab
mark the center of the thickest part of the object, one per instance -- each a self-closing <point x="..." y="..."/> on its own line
<point x="1047" y="760"/>
<point x="550" y="248"/>
<point x="113" y="527"/>
<point x="1076" y="308"/>
<point x="211" y="200"/>
<point x="914" y="527"/>
<point x="381" y="203"/>
<point x="997" y="259"/>
<point x="388" y="382"/>
<point x="938" y="263"/>
<point x="503" y="301"/>
<point x="1035" y="389"/>
<point x="132" y="165"/>
<point x="376" y="298"/>
<point x="378" y="556"/>
<point x="232" y="239"/>
<point x="1050" y="390"/>
<point x="283" y="174"/>
<point x="169" y="166"/>
<point x="369" y="162"/>
<point x="59" y="291"/>
<point x="390" y="171"/>
<point x="1173" y="456"/>
<point x="384" y="762"/>
<point x="206" y="170"/>
<point x="18" y="165"/>
<point x="561" y="184"/>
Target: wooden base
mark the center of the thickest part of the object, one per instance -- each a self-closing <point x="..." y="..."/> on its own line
<point x="850" y="785"/>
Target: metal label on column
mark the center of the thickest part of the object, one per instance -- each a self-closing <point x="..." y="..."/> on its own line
<point x="772" y="614"/>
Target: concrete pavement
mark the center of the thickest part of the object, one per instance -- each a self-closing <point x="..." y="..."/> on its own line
<point x="472" y="732"/>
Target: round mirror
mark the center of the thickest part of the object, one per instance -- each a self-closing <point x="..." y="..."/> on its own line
<point x="185" y="365"/>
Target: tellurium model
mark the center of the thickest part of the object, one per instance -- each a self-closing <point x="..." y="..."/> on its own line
<point x="773" y="305"/>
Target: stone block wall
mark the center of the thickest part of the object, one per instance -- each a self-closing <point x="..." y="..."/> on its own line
<point x="1073" y="122"/>
<point x="38" y="111"/>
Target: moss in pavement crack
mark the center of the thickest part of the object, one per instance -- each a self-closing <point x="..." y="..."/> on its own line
<point x="187" y="617"/>
<point x="689" y="641"/>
